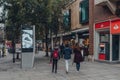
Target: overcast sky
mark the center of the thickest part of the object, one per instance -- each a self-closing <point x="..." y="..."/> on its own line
<point x="1" y="25"/>
<point x="0" y="9"/>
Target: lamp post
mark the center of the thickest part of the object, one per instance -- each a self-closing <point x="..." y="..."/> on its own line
<point x="11" y="36"/>
<point x="13" y="44"/>
<point x="13" y="50"/>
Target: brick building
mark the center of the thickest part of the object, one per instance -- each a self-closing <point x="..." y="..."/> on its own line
<point x="101" y="12"/>
<point x="91" y="20"/>
<point x="76" y="18"/>
<point x="104" y="30"/>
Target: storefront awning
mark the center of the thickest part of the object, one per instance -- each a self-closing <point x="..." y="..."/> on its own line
<point x="80" y="30"/>
<point x="112" y="25"/>
<point x="102" y="25"/>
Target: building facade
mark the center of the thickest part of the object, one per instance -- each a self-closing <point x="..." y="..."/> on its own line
<point x="76" y="13"/>
<point x="106" y="31"/>
<point x="97" y="22"/>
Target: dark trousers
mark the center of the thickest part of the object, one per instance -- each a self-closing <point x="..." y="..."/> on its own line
<point x="61" y="53"/>
<point x="78" y="66"/>
<point x="54" y="65"/>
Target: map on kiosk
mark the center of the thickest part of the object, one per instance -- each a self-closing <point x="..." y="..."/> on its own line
<point x="27" y="39"/>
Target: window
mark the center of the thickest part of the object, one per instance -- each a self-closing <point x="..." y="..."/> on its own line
<point x="67" y="19"/>
<point x="84" y="11"/>
<point x="104" y="36"/>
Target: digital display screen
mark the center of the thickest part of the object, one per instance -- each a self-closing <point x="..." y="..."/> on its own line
<point x="27" y="40"/>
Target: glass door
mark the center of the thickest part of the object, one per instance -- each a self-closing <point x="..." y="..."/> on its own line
<point x="115" y="47"/>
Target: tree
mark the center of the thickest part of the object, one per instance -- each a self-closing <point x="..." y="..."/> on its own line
<point x="33" y="12"/>
<point x="21" y="12"/>
<point x="57" y="8"/>
<point x="44" y="14"/>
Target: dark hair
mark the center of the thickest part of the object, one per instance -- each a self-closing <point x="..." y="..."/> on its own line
<point x="67" y="45"/>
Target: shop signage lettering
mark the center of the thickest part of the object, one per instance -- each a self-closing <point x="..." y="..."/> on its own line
<point x="115" y="27"/>
<point x="102" y="25"/>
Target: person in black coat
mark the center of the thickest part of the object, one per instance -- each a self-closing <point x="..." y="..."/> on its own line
<point x="78" y="57"/>
<point x="61" y="50"/>
<point x="85" y="52"/>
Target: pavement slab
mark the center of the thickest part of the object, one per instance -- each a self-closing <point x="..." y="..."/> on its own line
<point x="42" y="70"/>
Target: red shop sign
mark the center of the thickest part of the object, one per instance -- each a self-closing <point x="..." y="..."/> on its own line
<point x="102" y="25"/>
<point x="115" y="27"/>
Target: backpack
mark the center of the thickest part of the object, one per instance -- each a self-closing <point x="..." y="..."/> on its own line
<point x="55" y="54"/>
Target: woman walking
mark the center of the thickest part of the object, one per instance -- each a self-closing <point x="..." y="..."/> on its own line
<point x="78" y="56"/>
<point x="55" y="57"/>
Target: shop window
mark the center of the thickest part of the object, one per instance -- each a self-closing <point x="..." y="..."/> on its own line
<point x="84" y="11"/>
<point x="67" y="19"/>
<point x="104" y="37"/>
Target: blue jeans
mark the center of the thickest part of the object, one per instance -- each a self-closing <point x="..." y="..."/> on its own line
<point x="78" y="66"/>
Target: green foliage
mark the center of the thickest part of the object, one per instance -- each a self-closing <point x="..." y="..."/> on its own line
<point x="44" y="14"/>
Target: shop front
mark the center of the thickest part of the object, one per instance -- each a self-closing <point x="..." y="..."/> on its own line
<point x="115" y="31"/>
<point x="83" y="37"/>
<point x="107" y="41"/>
<point x="69" y="39"/>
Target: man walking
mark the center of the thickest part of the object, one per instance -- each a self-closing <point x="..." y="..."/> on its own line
<point x="67" y="56"/>
<point x="61" y="50"/>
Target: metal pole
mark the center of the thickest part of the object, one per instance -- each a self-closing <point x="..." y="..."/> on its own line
<point x="110" y="44"/>
<point x="13" y="50"/>
<point x="3" y="49"/>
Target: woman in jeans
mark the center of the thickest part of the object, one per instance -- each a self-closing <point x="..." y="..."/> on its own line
<point x="78" y="56"/>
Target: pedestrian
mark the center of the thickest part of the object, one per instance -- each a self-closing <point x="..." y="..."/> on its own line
<point x="3" y="51"/>
<point x="85" y="52"/>
<point x="67" y="56"/>
<point x="51" y="51"/>
<point x="55" y="57"/>
<point x="78" y="57"/>
<point x="61" y="50"/>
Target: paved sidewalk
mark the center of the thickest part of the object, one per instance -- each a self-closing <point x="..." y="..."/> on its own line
<point x="42" y="70"/>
